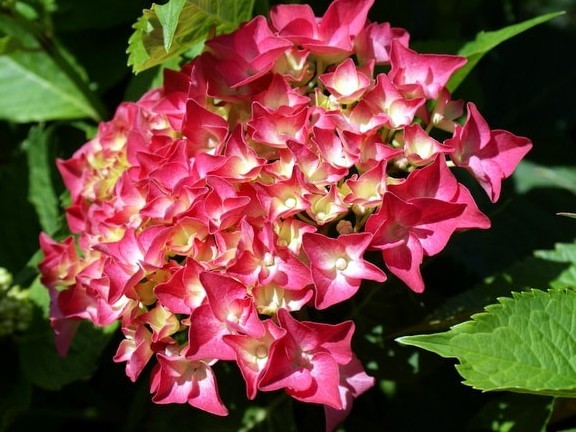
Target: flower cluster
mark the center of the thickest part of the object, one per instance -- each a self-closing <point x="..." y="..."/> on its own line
<point x="250" y="186"/>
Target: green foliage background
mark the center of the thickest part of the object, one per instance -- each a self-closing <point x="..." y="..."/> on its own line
<point x="63" y="67"/>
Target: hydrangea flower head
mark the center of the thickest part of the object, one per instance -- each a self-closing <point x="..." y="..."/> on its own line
<point x="254" y="185"/>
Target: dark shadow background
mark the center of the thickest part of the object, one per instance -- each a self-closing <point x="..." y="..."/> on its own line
<point x="526" y="85"/>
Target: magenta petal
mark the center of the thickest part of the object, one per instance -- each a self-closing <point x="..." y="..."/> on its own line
<point x="324" y="388"/>
<point x="404" y="261"/>
<point x="64" y="332"/>
<point x="283" y="371"/>
<point x="353" y="382"/>
<point x="207" y="398"/>
<point x="252" y="354"/>
<point x="511" y="150"/>
<point x="421" y="74"/>
<point x="337" y="266"/>
<point x="205" y="336"/>
<point x="221" y="292"/>
<point x="351" y="14"/>
<point x="333" y="288"/>
<point x="176" y="379"/>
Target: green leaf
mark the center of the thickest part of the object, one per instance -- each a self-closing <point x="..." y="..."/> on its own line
<point x="166" y="31"/>
<point x="40" y="81"/>
<point x="38" y="294"/>
<point x="525" y="344"/>
<point x="529" y="175"/>
<point x="9" y="44"/>
<point x="34" y="88"/>
<point x="168" y="15"/>
<point x="486" y="41"/>
<point x="563" y="253"/>
<point x="41" y="192"/>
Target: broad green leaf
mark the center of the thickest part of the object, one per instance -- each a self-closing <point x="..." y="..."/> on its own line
<point x="11" y="27"/>
<point x="38" y="294"/>
<point x="34" y="88"/>
<point x="525" y="344"/>
<point x="41" y="192"/>
<point x="166" y="31"/>
<point x="562" y="252"/>
<point x="486" y="41"/>
<point x="33" y="9"/>
<point x="38" y="85"/>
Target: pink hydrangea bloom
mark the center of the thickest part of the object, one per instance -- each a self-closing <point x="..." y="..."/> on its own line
<point x="254" y="185"/>
<point x="337" y="266"/>
<point x="490" y="155"/>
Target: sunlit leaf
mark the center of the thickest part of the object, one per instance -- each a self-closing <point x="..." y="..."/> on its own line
<point x="165" y="31"/>
<point x="34" y="88"/>
<point x="168" y="15"/>
<point x="525" y="344"/>
<point x="38" y="294"/>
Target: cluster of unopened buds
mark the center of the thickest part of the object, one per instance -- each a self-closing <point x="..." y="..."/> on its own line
<point x="209" y="215"/>
<point x="16" y="309"/>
